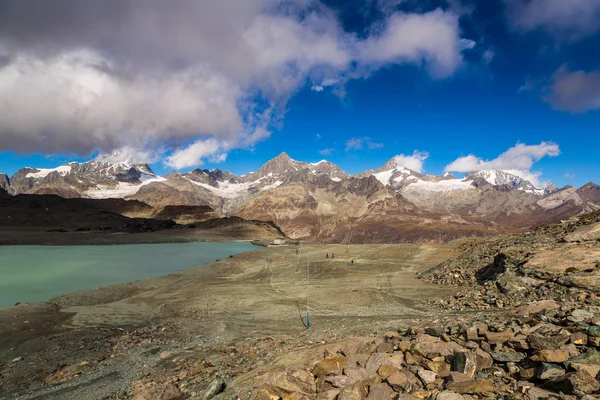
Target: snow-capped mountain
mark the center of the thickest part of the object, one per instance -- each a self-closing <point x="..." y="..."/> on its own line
<point x="501" y="178"/>
<point x="99" y="178"/>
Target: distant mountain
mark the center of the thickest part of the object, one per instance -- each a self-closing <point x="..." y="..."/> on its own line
<point x="320" y="201"/>
<point x="98" y="178"/>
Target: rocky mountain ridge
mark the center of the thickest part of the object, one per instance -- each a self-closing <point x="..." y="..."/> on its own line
<point x="319" y="201"/>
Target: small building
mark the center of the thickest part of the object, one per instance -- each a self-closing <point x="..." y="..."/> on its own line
<point x="279" y="241"/>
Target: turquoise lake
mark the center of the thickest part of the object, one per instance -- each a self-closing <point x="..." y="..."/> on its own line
<point x="38" y="273"/>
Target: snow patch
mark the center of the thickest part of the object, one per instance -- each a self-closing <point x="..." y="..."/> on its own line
<point x="44" y="172"/>
<point x="123" y="189"/>
<point x="441" y="186"/>
<point x="318" y="163"/>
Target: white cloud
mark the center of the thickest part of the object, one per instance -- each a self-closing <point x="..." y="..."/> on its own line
<point x="196" y="153"/>
<point x="576" y="91"/>
<point x="570" y="176"/>
<point x="432" y="38"/>
<point x="79" y="78"/>
<point x="361" y="143"/>
<point x="318" y="136"/>
<point x="569" y="19"/>
<point x="326" y="152"/>
<point x="129" y="155"/>
<point x="517" y="160"/>
<point x="413" y="162"/>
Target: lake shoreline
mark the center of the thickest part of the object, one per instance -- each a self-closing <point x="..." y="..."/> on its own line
<point x="98" y="334"/>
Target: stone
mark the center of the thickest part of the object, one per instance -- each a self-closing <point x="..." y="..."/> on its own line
<point x="357" y="391"/>
<point x="472" y="333"/>
<point x="391" y="334"/>
<point x="437" y="366"/>
<point x="340" y="381"/>
<point x="578" y="383"/>
<point x="328" y="394"/>
<point x="385" y="347"/>
<point x="454" y="376"/>
<point x="484" y="360"/>
<point x="592" y="369"/>
<point x="508" y="356"/>
<point x="579" y="338"/>
<point x="448" y="395"/>
<point x="542" y="342"/>
<point x="431" y="350"/>
<point x="471" y="386"/>
<point x="406" y="396"/>
<point x="535" y="393"/>
<point x="404" y="381"/>
<point x="359" y="374"/>
<point x="172" y="392"/>
<point x="581" y="315"/>
<point x="589" y="357"/>
<point x="427" y="377"/>
<point x="594" y="330"/>
<point x="376" y="360"/>
<point x="295" y="396"/>
<point x="436" y="331"/>
<point x="331" y="365"/>
<point x="554" y="356"/>
<point x="381" y="391"/>
<point x="283" y="383"/>
<point x="465" y="362"/>
<point x="549" y="371"/>
<point x="499" y="337"/>
<point x="387" y="370"/>
<point x="264" y="394"/>
<point x="536" y="307"/>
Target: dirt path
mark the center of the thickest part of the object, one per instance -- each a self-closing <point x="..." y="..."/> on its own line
<point x="245" y="297"/>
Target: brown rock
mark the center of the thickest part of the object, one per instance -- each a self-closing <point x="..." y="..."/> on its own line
<point x="359" y="374"/>
<point x="432" y="350"/>
<point x="340" y="381"/>
<point x="484" y="360"/>
<point x="328" y="395"/>
<point x="264" y="394"/>
<point x="427" y="377"/>
<point x="554" y="356"/>
<point x="387" y="370"/>
<point x="357" y="391"/>
<point x="592" y="369"/>
<point x="448" y="395"/>
<point x="381" y="391"/>
<point x="378" y="359"/>
<point x="578" y="383"/>
<point x="457" y="377"/>
<point x="536" y="307"/>
<point x="295" y="396"/>
<point x="171" y="392"/>
<point x="283" y="383"/>
<point x="331" y="365"/>
<point x="404" y="381"/>
<point x="499" y="337"/>
<point x="542" y="342"/>
<point x="404" y="345"/>
<point x="437" y="366"/>
<point x="472" y="386"/>
<point x="580" y="338"/>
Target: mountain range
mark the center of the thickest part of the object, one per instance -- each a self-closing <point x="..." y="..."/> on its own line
<point x="321" y="202"/>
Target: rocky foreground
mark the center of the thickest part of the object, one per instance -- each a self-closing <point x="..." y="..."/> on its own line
<point x="535" y="335"/>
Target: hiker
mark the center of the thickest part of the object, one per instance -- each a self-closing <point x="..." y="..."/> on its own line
<point x="352" y="261"/>
<point x="326" y="255"/>
<point x="296" y="251"/>
<point x="348" y="261"/>
<point x="332" y="255"/>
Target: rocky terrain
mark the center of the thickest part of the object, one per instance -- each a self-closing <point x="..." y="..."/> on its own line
<point x="51" y="219"/>
<point x="321" y="203"/>
<point x="512" y="317"/>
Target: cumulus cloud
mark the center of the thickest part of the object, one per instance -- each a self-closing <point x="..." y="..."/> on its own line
<point x="129" y="155"/>
<point x="414" y="161"/>
<point x="326" y="152"/>
<point x="576" y="91"/>
<point x="570" y="19"/>
<point x="517" y="160"/>
<point x="195" y="154"/>
<point x="79" y="76"/>
<point x="361" y="143"/>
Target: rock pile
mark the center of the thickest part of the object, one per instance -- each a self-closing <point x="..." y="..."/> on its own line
<point x="559" y="262"/>
<point x="543" y="353"/>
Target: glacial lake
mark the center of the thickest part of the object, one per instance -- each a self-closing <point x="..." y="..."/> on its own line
<point x="39" y="273"/>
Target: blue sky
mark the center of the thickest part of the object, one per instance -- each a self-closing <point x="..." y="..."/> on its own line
<point x="451" y="79"/>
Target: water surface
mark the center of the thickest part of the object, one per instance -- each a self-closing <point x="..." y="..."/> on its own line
<point x="38" y="273"/>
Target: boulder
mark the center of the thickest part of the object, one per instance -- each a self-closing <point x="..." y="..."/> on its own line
<point x="471" y="386"/>
<point x="376" y="360"/>
<point x="549" y="371"/>
<point x="554" y="356"/>
<point x="538" y="341"/>
<point x="448" y="395"/>
<point x="465" y="362"/>
<point x="536" y="307"/>
<point x="499" y="337"/>
<point x="508" y="356"/>
<point x="427" y="377"/>
<point x="357" y="391"/>
<point x="404" y="381"/>
<point x="331" y="365"/>
<point x="381" y="391"/>
<point x="579" y="383"/>
<point x="283" y="383"/>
